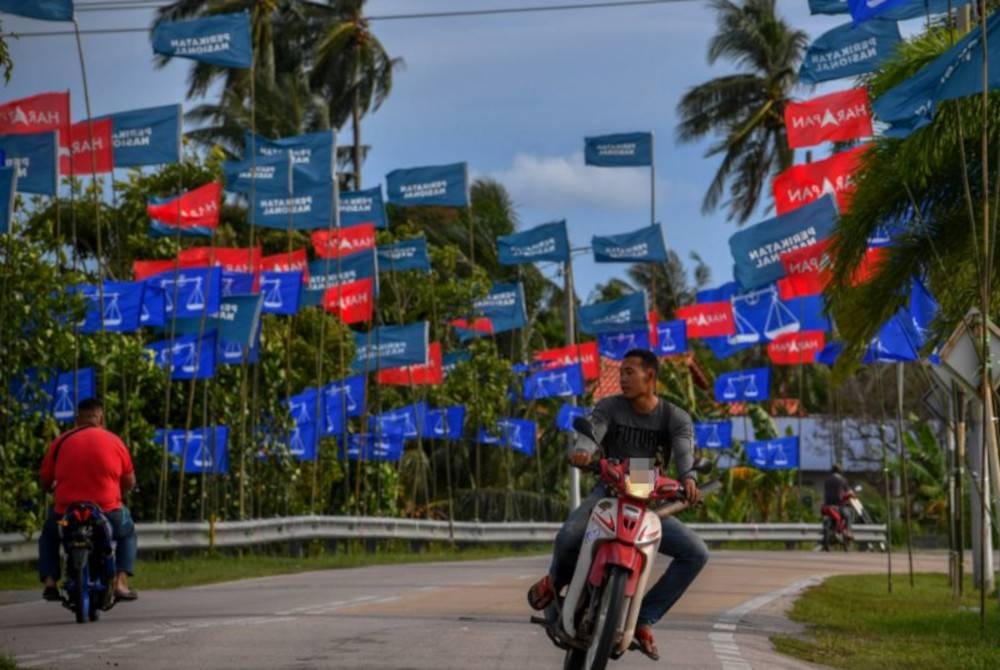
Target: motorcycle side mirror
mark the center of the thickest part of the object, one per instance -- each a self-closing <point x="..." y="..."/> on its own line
<point x="583" y="426"/>
<point x="702" y="466"/>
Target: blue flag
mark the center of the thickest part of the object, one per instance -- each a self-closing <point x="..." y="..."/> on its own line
<point x="567" y="413"/>
<point x="849" y="50"/>
<point x="305" y="207"/>
<point x="121" y="311"/>
<point x="325" y="273"/>
<point x="342" y="399"/>
<point x="149" y="136"/>
<point x="35" y="156"/>
<point x="391" y="347"/>
<point x="237" y="283"/>
<point x="231" y="352"/>
<point x="954" y="74"/>
<point x="862" y="10"/>
<point x="187" y="356"/>
<point x="238" y="320"/>
<point x="45" y="10"/>
<point x="220" y="39"/>
<point x="303" y="438"/>
<point x="756" y="250"/>
<point x="546" y="242"/>
<point x="365" y="206"/>
<point x="267" y="174"/>
<point x="404" y="421"/>
<point x="444" y="423"/>
<point x="671" y="338"/>
<point x="616" y="345"/>
<point x="281" y="292"/>
<point x="615" y="316"/>
<point x="442" y="185"/>
<point x="828" y="356"/>
<point x="619" y="150"/>
<point x="451" y="360"/>
<point x="189" y="292"/>
<point x="725" y="346"/>
<point x="371" y="447"/>
<point x="154" y="307"/>
<point x="640" y="246"/>
<point x="203" y="450"/>
<point x="405" y="255"/>
<point x="897" y="341"/>
<point x="516" y="434"/>
<point x="311" y="153"/>
<point x="159" y="229"/>
<point x="8" y="187"/>
<point x="752" y="385"/>
<point x="560" y="382"/>
<point x="899" y="11"/>
<point x="761" y="315"/>
<point x="503" y="306"/>
<point x="713" y="434"/>
<point x="778" y="454"/>
<point x="922" y="310"/>
<point x="67" y="390"/>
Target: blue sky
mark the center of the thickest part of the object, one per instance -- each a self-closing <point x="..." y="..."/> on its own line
<point x="513" y="95"/>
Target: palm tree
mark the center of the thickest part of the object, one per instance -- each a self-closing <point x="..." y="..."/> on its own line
<point x="745" y="110"/>
<point x="929" y="183"/>
<point x="667" y="282"/>
<point x="352" y="69"/>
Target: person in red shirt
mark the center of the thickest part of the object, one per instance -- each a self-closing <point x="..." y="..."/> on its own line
<point x="88" y="463"/>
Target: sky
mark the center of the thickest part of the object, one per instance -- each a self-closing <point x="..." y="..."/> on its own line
<point x="513" y="95"/>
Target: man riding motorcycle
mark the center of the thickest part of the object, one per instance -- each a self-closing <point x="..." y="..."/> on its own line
<point x="88" y="464"/>
<point x="635" y="424"/>
<point x="836" y="490"/>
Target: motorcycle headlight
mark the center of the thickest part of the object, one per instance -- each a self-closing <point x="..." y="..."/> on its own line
<point x="640" y="484"/>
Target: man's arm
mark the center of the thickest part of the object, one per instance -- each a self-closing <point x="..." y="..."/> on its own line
<point x="583" y="448"/>
<point x="47" y="474"/>
<point x="681" y="440"/>
<point x="128" y="470"/>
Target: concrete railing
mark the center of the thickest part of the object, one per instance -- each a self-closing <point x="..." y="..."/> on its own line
<point x="203" y="535"/>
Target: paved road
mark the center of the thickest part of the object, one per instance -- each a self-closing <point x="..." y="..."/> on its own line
<point x="434" y="616"/>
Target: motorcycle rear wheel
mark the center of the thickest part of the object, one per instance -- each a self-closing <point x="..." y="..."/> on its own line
<point x="81" y="599"/>
<point x="606" y="622"/>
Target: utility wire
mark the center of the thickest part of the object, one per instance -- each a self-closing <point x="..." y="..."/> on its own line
<point x="109" y="5"/>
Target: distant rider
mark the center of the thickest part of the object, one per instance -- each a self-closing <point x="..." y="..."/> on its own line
<point x="635" y="424"/>
<point x="836" y="490"/>
<point x="88" y="463"/>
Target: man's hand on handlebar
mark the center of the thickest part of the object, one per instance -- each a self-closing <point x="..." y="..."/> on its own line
<point x="580" y="458"/>
<point x="691" y="492"/>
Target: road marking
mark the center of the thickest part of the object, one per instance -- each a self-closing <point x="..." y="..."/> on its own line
<point x="727" y="651"/>
<point x="150" y="638"/>
<point x="111" y="640"/>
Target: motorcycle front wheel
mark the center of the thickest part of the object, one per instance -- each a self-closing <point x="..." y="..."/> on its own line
<point x="82" y="596"/>
<point x="606" y="622"/>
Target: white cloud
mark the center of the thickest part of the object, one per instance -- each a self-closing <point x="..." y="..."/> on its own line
<point x="562" y="182"/>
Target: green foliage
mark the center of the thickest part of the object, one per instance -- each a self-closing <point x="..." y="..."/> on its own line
<point x="854" y="623"/>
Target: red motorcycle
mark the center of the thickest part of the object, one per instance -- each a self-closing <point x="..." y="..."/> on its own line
<point x="836" y="527"/>
<point x="595" y="621"/>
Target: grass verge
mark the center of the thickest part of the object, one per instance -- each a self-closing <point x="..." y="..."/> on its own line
<point x="854" y="623"/>
<point x="180" y="571"/>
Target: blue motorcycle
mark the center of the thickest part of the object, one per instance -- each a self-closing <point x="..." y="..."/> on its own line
<point x="88" y="542"/>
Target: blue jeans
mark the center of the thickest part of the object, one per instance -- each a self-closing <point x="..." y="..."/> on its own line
<point x="677" y="540"/>
<point x="125" y="549"/>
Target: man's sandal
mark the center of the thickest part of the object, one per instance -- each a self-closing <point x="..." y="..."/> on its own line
<point x="541" y="594"/>
<point x="643" y="641"/>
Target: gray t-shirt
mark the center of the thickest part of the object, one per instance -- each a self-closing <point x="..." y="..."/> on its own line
<point x="664" y="433"/>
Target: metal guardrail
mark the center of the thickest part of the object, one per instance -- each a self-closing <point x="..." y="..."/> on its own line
<point x="16" y="547"/>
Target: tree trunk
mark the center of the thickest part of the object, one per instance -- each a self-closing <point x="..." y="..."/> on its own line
<point x="356" y="117"/>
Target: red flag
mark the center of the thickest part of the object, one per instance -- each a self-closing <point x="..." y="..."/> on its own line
<point x="807" y="270"/>
<point x="585" y="354"/>
<point x="870" y="265"/>
<point x="344" y="241"/>
<point x="290" y="261"/>
<point x="88" y="139"/>
<point x="199" y="207"/>
<point x="480" y="324"/>
<point x="351" y="302"/>
<point x="796" y="348"/>
<point x="146" y="269"/>
<point x="801" y="184"/>
<point x="654" y="335"/>
<point x="37" y="114"/>
<point x="432" y="373"/>
<point x="708" y="319"/>
<point x="230" y="259"/>
<point x="837" y="117"/>
<point x="610" y="381"/>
